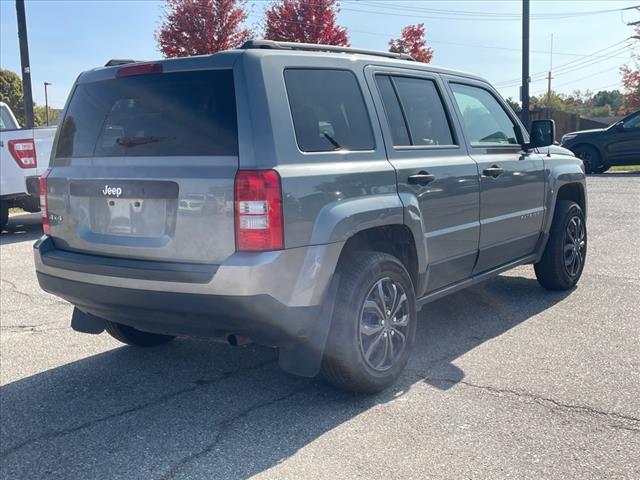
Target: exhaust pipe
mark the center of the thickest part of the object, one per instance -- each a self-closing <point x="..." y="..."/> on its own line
<point x="236" y="340"/>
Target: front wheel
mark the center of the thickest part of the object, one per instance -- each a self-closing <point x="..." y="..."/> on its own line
<point x="590" y="158"/>
<point x="564" y="256"/>
<point x="133" y="336"/>
<point x="374" y="323"/>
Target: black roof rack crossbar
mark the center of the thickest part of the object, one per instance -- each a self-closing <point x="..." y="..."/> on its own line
<point x="315" y="47"/>
<point x="119" y="61"/>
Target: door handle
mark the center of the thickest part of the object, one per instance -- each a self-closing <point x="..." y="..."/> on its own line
<point x="493" y="171"/>
<point x="421" y="178"/>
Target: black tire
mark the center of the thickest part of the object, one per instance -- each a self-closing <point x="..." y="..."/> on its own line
<point x="31" y="204"/>
<point x="553" y="271"/>
<point x="133" y="336"/>
<point x="345" y="363"/>
<point x="4" y="215"/>
<point x="590" y="157"/>
<point x="601" y="169"/>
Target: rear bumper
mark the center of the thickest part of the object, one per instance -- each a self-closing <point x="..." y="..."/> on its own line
<point x="259" y="317"/>
<point x="274" y="300"/>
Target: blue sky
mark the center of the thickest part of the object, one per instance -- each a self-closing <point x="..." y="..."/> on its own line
<point x="67" y="37"/>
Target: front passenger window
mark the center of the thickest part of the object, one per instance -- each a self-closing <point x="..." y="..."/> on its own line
<point x="484" y="119"/>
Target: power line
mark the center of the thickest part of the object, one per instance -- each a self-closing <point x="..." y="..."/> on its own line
<point x="443" y="42"/>
<point x="587" y="60"/>
<point x="555" y="15"/>
<point x="460" y="15"/>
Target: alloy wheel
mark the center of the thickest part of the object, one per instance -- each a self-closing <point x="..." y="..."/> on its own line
<point x="575" y="244"/>
<point x="384" y="324"/>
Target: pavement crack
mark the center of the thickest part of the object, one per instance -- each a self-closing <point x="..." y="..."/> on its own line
<point x="629" y="422"/>
<point x="156" y="401"/>
<point x="223" y="428"/>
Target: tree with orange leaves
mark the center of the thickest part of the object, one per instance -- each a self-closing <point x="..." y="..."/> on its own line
<point x="412" y="41"/>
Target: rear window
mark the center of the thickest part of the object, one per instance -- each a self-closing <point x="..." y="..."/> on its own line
<point x="328" y="110"/>
<point x="182" y="113"/>
<point x="6" y="122"/>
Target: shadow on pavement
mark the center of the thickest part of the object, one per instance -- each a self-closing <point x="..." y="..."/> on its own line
<point x="21" y="228"/>
<point x="195" y="409"/>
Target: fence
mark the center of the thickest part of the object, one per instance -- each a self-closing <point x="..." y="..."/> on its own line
<point x="565" y="122"/>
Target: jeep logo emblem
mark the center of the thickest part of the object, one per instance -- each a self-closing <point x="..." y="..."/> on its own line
<point x="108" y="191"/>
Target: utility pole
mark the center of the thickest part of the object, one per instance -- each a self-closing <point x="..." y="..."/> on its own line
<point x="525" y="64"/>
<point x="46" y="102"/>
<point x="549" y="77"/>
<point x="24" y="60"/>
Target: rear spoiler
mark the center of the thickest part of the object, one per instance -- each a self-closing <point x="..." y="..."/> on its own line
<point x="119" y="61"/>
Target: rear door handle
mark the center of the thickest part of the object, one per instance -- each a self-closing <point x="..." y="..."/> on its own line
<point x="493" y="171"/>
<point x="421" y="178"/>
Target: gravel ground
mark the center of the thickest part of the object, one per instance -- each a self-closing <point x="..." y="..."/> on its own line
<point x="507" y="381"/>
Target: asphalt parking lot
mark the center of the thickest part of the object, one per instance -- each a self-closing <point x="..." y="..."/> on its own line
<point x="508" y="381"/>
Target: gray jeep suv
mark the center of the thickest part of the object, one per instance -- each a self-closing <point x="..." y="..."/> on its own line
<point x="305" y="197"/>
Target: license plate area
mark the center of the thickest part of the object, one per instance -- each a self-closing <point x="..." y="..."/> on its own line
<point x="141" y="209"/>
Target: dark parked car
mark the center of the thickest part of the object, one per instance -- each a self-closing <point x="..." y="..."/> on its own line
<point x="602" y="148"/>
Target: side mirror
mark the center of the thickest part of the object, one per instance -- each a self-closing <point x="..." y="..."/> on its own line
<point x="619" y="127"/>
<point x="543" y="133"/>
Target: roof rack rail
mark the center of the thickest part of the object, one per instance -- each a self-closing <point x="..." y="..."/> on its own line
<point x="316" y="47"/>
<point x="119" y="61"/>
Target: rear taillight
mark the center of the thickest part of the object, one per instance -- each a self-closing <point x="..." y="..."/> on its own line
<point x="258" y="210"/>
<point x="23" y="152"/>
<point x="44" y="210"/>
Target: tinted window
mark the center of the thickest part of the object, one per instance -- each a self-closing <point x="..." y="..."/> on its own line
<point x="428" y="124"/>
<point x="398" y="127"/>
<point x="328" y="110"/>
<point x="185" y="113"/>
<point x="632" y="121"/>
<point x="6" y="122"/>
<point x="484" y="119"/>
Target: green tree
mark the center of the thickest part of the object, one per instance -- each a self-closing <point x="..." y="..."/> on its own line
<point x="40" y="115"/>
<point x="601" y="111"/>
<point x="514" y="104"/>
<point x="556" y="103"/>
<point x="11" y="93"/>
<point x="613" y="98"/>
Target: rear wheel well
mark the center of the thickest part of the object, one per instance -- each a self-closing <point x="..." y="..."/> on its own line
<point x="573" y="192"/>
<point x="396" y="240"/>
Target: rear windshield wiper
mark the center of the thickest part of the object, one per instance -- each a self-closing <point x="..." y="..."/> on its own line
<point x="135" y="141"/>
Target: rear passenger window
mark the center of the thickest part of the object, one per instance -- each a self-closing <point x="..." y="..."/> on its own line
<point x="399" y="133"/>
<point x="485" y="121"/>
<point x="328" y="110"/>
<point x="423" y="110"/>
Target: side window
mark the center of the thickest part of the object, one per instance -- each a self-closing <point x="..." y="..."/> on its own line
<point x="6" y="122"/>
<point x="399" y="133"/>
<point x="633" y="122"/>
<point x="328" y="110"/>
<point x="423" y="109"/>
<point x="484" y="119"/>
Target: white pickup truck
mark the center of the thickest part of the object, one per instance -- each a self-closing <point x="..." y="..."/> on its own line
<point x="24" y="156"/>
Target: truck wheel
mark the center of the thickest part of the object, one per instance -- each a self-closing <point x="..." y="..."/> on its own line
<point x="590" y="157"/>
<point x="373" y="325"/>
<point x="4" y="215"/>
<point x="133" y="336"/>
<point x="563" y="260"/>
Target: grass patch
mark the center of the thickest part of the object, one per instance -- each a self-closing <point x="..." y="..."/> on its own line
<point x="625" y="168"/>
